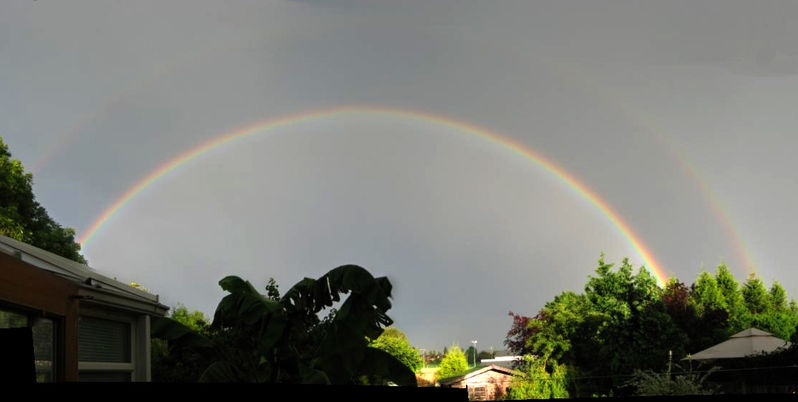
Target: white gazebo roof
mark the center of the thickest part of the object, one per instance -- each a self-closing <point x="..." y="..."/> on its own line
<point x="745" y="343"/>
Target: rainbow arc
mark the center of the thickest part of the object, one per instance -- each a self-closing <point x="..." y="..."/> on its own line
<point x="264" y="127"/>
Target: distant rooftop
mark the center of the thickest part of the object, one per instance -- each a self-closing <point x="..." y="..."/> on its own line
<point x="744" y="343"/>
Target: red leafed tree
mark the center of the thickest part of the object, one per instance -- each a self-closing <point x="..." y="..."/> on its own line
<point x="518" y="335"/>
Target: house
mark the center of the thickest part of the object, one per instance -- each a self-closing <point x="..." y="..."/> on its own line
<point x="486" y="384"/>
<point x="85" y="326"/>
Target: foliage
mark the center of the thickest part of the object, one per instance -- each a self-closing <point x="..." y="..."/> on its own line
<point x="272" y="290"/>
<point x="650" y="383"/>
<point x="484" y="354"/>
<point x="453" y="364"/>
<point x="541" y="379"/>
<point x="23" y="218"/>
<point x="393" y="332"/>
<point x="471" y="355"/>
<point x="197" y="321"/>
<point x="625" y="323"/>
<point x="255" y="338"/>
<point x="517" y="336"/>
<point x="736" y="311"/>
<point x="756" y="296"/>
<point x="174" y="361"/>
<point x="395" y="343"/>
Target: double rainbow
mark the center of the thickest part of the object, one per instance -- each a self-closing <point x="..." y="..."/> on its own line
<point x="466" y="128"/>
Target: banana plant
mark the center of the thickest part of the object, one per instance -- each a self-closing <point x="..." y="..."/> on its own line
<point x="255" y="338"/>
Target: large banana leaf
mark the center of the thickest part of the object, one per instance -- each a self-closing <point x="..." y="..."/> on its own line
<point x="262" y="340"/>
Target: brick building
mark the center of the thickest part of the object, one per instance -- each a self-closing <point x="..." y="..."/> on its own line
<point x="486" y="384"/>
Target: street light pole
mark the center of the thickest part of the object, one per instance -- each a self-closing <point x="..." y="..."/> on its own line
<point x="475" y="352"/>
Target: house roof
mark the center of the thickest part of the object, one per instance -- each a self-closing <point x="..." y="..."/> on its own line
<point x="463" y="377"/>
<point x="503" y="359"/>
<point x="93" y="286"/>
<point x="744" y="343"/>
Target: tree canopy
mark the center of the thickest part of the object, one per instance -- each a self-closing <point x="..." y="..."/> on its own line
<point x="625" y="323"/>
<point x="23" y="218"/>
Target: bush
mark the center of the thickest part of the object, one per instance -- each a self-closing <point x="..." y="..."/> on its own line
<point x="453" y="364"/>
<point x="400" y="348"/>
<point x="650" y="383"/>
<point x="538" y="382"/>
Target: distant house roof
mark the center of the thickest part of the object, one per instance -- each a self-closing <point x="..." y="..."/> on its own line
<point x="464" y="377"/>
<point x="502" y="360"/>
<point x="744" y="343"/>
<point x="92" y="285"/>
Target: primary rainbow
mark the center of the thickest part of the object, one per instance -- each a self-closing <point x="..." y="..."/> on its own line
<point x="266" y="126"/>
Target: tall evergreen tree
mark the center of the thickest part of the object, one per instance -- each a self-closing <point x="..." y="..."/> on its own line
<point x="778" y="297"/>
<point x="739" y="319"/>
<point x="756" y="296"/>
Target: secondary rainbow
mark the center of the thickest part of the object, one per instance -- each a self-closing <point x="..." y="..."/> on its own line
<point x="266" y="126"/>
<point x="648" y="121"/>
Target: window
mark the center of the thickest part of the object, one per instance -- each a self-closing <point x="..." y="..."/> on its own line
<point x="105" y="349"/>
<point x="44" y="349"/>
<point x="44" y="339"/>
<point x="478" y="393"/>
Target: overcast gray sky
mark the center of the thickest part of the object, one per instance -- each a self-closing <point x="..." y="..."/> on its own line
<point x="679" y="114"/>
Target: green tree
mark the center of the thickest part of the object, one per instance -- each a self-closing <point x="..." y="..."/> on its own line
<point x="620" y="323"/>
<point x="756" y="296"/>
<point x="454" y="363"/>
<point x="471" y="355"/>
<point x="707" y="295"/>
<point x="738" y="316"/>
<point x="624" y="323"/>
<point x="23" y="218"/>
<point x="197" y="321"/>
<point x="629" y="316"/>
<point x="778" y="297"/>
<point x="710" y="323"/>
<point x="173" y="361"/>
<point x="540" y="379"/>
<point x="560" y="324"/>
<point x="395" y="343"/>
<point x="484" y="354"/>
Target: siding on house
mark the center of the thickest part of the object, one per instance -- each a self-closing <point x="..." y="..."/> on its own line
<point x="54" y="295"/>
<point x="489" y="383"/>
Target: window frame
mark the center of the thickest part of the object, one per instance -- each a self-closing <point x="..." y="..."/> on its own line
<point x="98" y="367"/>
<point x="32" y="315"/>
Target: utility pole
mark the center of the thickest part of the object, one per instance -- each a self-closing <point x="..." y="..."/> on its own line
<point x="475" y="352"/>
